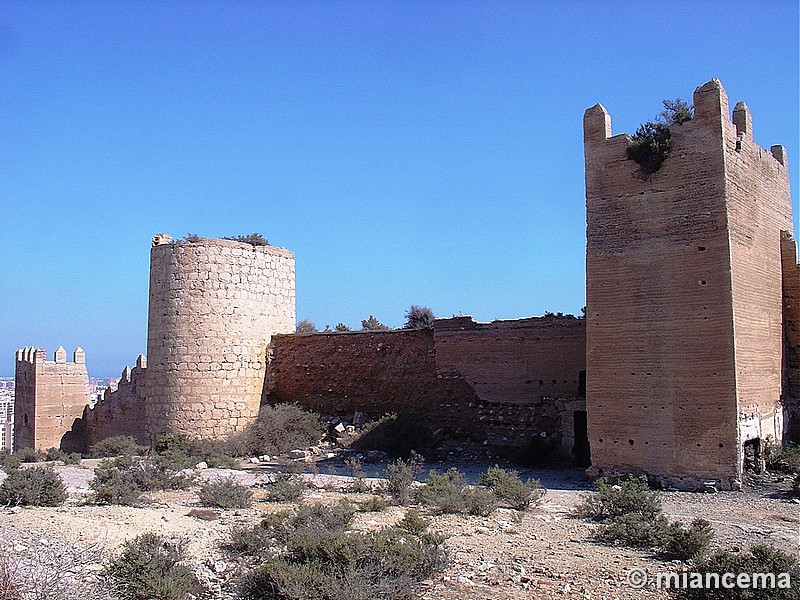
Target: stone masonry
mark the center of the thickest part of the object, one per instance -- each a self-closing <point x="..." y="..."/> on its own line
<point x="49" y="397"/>
<point x="688" y="360"/>
<point x="684" y="297"/>
<point x="214" y="305"/>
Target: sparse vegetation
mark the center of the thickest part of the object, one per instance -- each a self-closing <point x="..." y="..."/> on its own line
<point x="180" y="452"/>
<point x="321" y="558"/>
<point x="374" y="504"/>
<point x="651" y="144"/>
<point x="9" y="462"/>
<point x="277" y="429"/>
<point x="761" y="558"/>
<point x="372" y="324"/>
<point x="630" y="495"/>
<point x="29" y="455"/>
<point x="449" y="493"/>
<point x="285" y="488"/>
<point x="684" y="543"/>
<point x="151" y="567"/>
<point x="510" y="489"/>
<point x="306" y="326"/>
<point x="254" y="239"/>
<point x="784" y="459"/>
<point x="400" y="474"/>
<point x="117" y="445"/>
<point x="35" y="486"/>
<point x="123" y="479"/>
<point x="341" y="327"/>
<point x="419" y="317"/>
<point x="225" y="493"/>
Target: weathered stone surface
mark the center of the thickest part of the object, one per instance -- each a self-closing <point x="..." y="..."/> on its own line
<point x="684" y="303"/>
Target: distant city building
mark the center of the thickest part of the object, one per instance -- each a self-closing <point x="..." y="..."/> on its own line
<point x="6" y="413"/>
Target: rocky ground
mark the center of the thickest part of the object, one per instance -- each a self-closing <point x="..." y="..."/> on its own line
<point x="543" y="553"/>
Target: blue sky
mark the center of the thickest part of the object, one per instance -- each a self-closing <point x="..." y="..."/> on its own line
<point x="408" y="152"/>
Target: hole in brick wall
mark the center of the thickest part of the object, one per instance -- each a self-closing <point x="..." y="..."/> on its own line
<point x="701" y="248"/>
<point x="702" y="282"/>
<point x="601" y="440"/>
<point x="646" y="443"/>
<point x="722" y="445"/>
<point x="541" y="382"/>
<point x="630" y="442"/>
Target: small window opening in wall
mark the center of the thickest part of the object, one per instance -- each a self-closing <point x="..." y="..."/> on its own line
<point x="541" y="382"/>
<point x="702" y="282"/>
<point x="630" y="442"/>
<point x="722" y="445"/>
<point x="701" y="248"/>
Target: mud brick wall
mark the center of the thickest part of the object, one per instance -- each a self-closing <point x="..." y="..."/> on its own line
<point x="683" y="282"/>
<point x="214" y="305"/>
<point x="121" y="411"/>
<point x="49" y="398"/>
<point x="373" y="372"/>
<point x="418" y="373"/>
<point x="759" y="210"/>
<point x="791" y="312"/>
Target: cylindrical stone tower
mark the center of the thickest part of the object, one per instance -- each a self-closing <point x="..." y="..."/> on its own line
<point x="214" y="305"/>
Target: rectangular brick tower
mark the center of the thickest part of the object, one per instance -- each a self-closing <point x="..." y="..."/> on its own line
<point x="684" y="297"/>
<point x="49" y="397"/>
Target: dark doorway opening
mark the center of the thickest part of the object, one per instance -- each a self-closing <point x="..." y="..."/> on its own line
<point x="581" y="450"/>
<point x="753" y="456"/>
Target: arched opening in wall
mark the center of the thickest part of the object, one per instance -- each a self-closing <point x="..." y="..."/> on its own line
<point x="581" y="451"/>
<point x="754" y="456"/>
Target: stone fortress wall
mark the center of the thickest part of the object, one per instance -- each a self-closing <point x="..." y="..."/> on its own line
<point x="503" y="383"/>
<point x="689" y="353"/>
<point x="214" y="306"/>
<point x="684" y="296"/>
<point x="49" y="397"/>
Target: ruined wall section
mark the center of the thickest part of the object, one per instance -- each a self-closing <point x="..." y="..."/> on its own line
<point x="49" y="398"/>
<point x="759" y="210"/>
<point x="214" y="306"/>
<point x="661" y="378"/>
<point x="372" y="372"/>
<point x="120" y="411"/>
<point x="418" y="373"/>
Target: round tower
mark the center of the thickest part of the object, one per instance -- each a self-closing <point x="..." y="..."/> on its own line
<point x="214" y="305"/>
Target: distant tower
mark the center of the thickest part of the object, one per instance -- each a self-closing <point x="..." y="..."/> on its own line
<point x="684" y="297"/>
<point x="214" y="306"/>
<point x="49" y="397"/>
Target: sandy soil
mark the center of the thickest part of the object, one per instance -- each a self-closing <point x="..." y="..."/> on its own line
<point x="544" y="553"/>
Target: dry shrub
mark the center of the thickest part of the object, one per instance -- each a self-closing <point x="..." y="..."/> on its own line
<point x="36" y="486"/>
<point x="277" y="430"/>
<point x="225" y="493"/>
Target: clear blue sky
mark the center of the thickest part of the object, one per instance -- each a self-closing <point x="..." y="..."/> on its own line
<point x="408" y="152"/>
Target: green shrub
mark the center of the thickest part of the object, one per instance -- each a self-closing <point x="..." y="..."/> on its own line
<point x="29" y="455"/>
<point x="510" y="489"/>
<point x="400" y="475"/>
<point x="285" y="488"/>
<point x="322" y="559"/>
<point x="73" y="458"/>
<point x="180" y="452"/>
<point x="277" y="430"/>
<point x="372" y="324"/>
<point x="36" y="486"/>
<point x="449" y="493"/>
<point x="398" y="436"/>
<point x="684" y="543"/>
<point x="652" y="142"/>
<point x="760" y="559"/>
<point x="785" y="459"/>
<point x="630" y="495"/>
<point x="123" y="479"/>
<point x="254" y="239"/>
<point x="374" y="504"/>
<point x="358" y="474"/>
<point x="414" y="522"/>
<point x="634" y="530"/>
<point x="9" y="462"/>
<point x="149" y="567"/>
<point x="117" y="445"/>
<point x="419" y="317"/>
<point x="225" y="493"/>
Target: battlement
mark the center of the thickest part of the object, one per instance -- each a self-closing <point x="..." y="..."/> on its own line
<point x="164" y="241"/>
<point x="32" y="355"/>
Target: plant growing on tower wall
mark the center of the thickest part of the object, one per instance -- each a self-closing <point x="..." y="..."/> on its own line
<point x="651" y="144"/>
